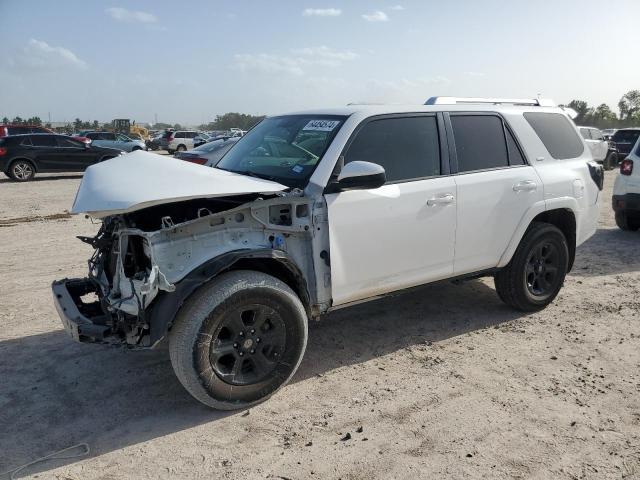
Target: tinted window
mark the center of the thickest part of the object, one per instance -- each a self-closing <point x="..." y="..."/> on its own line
<point x="557" y="134"/>
<point x="480" y="142"/>
<point x="92" y="135"/>
<point x="107" y="136"/>
<point x="626" y="136"/>
<point x="44" y="141"/>
<point x="515" y="155"/>
<point x="407" y="148"/>
<point x="18" y="130"/>
<point x="68" y="142"/>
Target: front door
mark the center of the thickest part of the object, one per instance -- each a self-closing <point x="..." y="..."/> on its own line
<point x="72" y="155"/>
<point x="403" y="233"/>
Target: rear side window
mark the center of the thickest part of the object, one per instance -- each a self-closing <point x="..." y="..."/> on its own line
<point x="515" y="155"/>
<point x="68" y="142"/>
<point x="26" y="141"/>
<point x="44" y="141"/>
<point x="557" y="134"/>
<point x="480" y="142"/>
<point x="407" y="148"/>
<point x="92" y="136"/>
<point x="585" y="133"/>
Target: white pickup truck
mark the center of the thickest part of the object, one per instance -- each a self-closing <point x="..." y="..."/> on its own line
<point x="599" y="147"/>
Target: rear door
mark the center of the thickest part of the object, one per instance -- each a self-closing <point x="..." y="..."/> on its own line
<point x="495" y="184"/>
<point x="401" y="234"/>
<point x="45" y="152"/>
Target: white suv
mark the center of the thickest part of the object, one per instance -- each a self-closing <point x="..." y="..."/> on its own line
<point x="599" y="146"/>
<point x="626" y="191"/>
<point x="181" y="140"/>
<point x="319" y="210"/>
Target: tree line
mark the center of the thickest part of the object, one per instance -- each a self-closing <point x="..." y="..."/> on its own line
<point x="603" y="117"/>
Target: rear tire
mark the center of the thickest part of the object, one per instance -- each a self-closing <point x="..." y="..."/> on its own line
<point x="21" y="170"/>
<point x="611" y="161"/>
<point x="627" y="224"/>
<point x="238" y="339"/>
<point x="535" y="274"/>
<point x="181" y="148"/>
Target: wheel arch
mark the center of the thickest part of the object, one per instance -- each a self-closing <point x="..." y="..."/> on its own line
<point x="13" y="160"/>
<point x="561" y="216"/>
<point x="276" y="263"/>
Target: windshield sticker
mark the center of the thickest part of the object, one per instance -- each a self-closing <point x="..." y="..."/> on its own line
<point x="297" y="169"/>
<point x="321" y="125"/>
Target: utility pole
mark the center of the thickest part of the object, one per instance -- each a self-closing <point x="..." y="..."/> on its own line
<point x="155" y="116"/>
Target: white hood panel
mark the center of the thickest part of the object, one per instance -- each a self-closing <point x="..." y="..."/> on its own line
<point x="141" y="179"/>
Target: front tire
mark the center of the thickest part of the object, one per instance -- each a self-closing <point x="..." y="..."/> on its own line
<point x="238" y="339"/>
<point x="21" y="171"/>
<point x="625" y="223"/>
<point x="535" y="274"/>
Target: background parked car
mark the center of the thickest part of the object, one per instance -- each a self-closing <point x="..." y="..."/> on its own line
<point x="608" y="133"/>
<point x="625" y="139"/>
<point x="7" y="129"/>
<point x="180" y="140"/>
<point x="154" y="143"/>
<point x="22" y="156"/>
<point x="116" y="140"/>
<point x="210" y="153"/>
<point x="626" y="191"/>
<point x="201" y="139"/>
<point x="601" y="151"/>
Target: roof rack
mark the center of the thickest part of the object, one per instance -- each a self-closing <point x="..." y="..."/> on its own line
<point x="538" y="102"/>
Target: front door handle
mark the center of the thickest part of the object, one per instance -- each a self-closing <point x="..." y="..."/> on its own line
<point x="441" y="200"/>
<point x="525" y="186"/>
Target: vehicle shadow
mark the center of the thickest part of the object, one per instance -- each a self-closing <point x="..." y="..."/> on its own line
<point x="608" y="251"/>
<point x="57" y="393"/>
<point x="45" y="178"/>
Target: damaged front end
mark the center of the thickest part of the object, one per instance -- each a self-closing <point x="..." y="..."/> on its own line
<point x="147" y="262"/>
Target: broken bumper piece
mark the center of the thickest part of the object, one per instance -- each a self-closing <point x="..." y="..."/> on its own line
<point x="85" y="322"/>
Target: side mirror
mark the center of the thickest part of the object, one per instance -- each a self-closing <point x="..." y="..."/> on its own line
<point x="360" y="175"/>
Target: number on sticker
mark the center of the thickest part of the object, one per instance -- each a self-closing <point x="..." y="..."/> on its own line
<point x="321" y="125"/>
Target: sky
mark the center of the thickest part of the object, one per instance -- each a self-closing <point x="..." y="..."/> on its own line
<point x="188" y="61"/>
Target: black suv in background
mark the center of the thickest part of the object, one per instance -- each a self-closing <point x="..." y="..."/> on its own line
<point x="624" y="140"/>
<point x="21" y="156"/>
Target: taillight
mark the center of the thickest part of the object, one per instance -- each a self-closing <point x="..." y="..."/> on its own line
<point x="3" y="151"/>
<point x="3" y="131"/>
<point x="626" y="167"/>
<point x="198" y="160"/>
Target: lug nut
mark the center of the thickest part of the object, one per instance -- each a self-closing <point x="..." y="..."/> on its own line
<point x="241" y="354"/>
<point x="235" y="345"/>
<point x="253" y="351"/>
<point x="258" y="340"/>
<point x="242" y="334"/>
<point x="253" y="331"/>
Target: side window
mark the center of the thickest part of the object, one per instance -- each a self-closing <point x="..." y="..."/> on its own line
<point x="108" y="136"/>
<point x="18" y="130"/>
<point x="596" y="134"/>
<point x="93" y="136"/>
<point x="585" y="133"/>
<point x="556" y="133"/>
<point x="68" y="142"/>
<point x="515" y="155"/>
<point x="26" y="141"/>
<point x="407" y="148"/>
<point x="44" y="141"/>
<point x="179" y="135"/>
<point x="480" y="142"/>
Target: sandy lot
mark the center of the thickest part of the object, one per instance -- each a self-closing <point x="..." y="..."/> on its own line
<point x="444" y="381"/>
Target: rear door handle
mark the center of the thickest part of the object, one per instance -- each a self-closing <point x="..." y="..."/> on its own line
<point x="525" y="186"/>
<point x="441" y="200"/>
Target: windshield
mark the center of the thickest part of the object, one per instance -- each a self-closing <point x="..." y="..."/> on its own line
<point x="283" y="149"/>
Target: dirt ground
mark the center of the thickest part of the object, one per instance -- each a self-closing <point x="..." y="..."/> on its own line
<point x="444" y="381"/>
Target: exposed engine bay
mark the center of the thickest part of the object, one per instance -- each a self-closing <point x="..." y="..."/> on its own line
<point x="146" y="254"/>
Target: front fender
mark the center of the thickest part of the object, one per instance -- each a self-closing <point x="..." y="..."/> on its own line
<point x="166" y="305"/>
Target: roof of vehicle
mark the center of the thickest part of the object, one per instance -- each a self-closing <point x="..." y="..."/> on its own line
<point x="381" y="109"/>
<point x="21" y="125"/>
